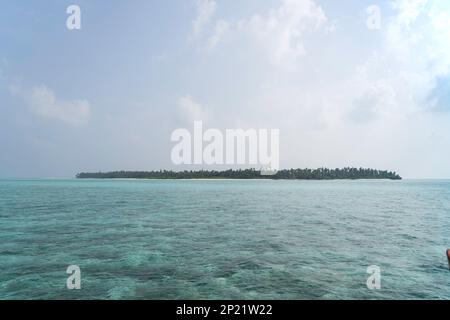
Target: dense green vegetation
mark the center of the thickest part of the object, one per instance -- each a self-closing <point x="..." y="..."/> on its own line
<point x="293" y="174"/>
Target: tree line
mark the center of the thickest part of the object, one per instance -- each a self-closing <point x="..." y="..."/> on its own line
<point x="285" y="174"/>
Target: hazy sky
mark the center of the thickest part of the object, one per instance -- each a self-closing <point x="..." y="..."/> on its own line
<point x="108" y="96"/>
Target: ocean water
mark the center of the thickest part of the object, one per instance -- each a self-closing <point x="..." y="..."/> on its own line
<point x="224" y="239"/>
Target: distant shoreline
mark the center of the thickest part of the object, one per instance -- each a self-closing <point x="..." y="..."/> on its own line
<point x="249" y="174"/>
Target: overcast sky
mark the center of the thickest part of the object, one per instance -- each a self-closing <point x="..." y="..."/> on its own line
<point x="108" y="96"/>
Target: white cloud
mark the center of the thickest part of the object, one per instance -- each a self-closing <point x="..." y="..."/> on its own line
<point x="221" y="28"/>
<point x="281" y="31"/>
<point x="205" y="11"/>
<point x="408" y="11"/>
<point x="356" y="97"/>
<point x="386" y="103"/>
<point x="415" y="53"/>
<point x="43" y="102"/>
<point x="397" y="80"/>
<point x="278" y="33"/>
<point x="189" y="110"/>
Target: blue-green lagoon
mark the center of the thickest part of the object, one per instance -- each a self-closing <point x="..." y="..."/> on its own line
<point x="224" y="239"/>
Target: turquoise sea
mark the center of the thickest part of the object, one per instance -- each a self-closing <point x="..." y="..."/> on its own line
<point x="224" y="239"/>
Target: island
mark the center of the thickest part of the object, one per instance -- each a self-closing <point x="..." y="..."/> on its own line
<point x="285" y="174"/>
